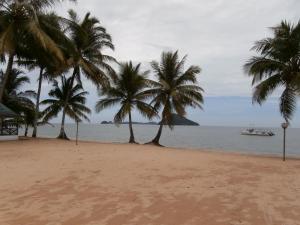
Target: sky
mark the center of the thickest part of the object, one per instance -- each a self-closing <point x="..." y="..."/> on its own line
<point x="217" y="35"/>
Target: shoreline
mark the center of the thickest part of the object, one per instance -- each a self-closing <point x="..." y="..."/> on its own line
<point x="188" y="138"/>
<point x="208" y="150"/>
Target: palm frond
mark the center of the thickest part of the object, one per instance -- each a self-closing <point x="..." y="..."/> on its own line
<point x="266" y="88"/>
<point x="277" y="66"/>
<point x="122" y="113"/>
<point x="287" y="104"/>
<point x="106" y="103"/>
<point x="146" y="109"/>
<point x="176" y="88"/>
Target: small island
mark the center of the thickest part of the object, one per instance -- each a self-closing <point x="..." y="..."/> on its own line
<point x="177" y="120"/>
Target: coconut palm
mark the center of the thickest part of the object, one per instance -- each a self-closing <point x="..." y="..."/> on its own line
<point x="278" y="65"/>
<point x="47" y="64"/>
<point x="19" y="23"/>
<point x="128" y="90"/>
<point x="27" y="119"/>
<point x="75" y="96"/>
<point x="175" y="90"/>
<point x="88" y="39"/>
<point x="43" y="75"/>
<point x="20" y="101"/>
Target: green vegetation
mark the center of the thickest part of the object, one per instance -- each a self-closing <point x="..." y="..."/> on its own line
<point x="21" y="101"/>
<point x="20" y="28"/>
<point x="175" y="89"/>
<point x="87" y="39"/>
<point x="277" y="66"/>
<point x="67" y="98"/>
<point x="128" y="91"/>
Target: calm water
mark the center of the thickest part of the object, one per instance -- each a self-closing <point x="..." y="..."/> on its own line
<point x="223" y="138"/>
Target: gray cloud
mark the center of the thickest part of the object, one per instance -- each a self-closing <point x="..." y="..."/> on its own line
<point x="217" y="34"/>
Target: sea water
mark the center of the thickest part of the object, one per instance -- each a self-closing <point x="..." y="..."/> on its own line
<point x="192" y="137"/>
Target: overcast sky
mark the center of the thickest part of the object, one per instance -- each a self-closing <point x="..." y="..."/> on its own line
<point x="216" y="35"/>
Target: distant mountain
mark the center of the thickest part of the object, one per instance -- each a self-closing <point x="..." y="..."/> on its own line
<point x="176" y="121"/>
<point x="182" y="121"/>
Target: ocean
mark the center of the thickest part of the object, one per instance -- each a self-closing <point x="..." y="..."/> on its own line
<point x="202" y="137"/>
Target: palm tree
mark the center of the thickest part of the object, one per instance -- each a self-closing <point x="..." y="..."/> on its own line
<point x="128" y="90"/>
<point x="19" y="23"/>
<point x="175" y="90"/>
<point x="75" y="96"/>
<point x="20" y="101"/>
<point x="27" y="119"/>
<point x="49" y="66"/>
<point x="277" y="66"/>
<point x="88" y="40"/>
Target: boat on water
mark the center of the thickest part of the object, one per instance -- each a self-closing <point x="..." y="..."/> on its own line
<point x="257" y="132"/>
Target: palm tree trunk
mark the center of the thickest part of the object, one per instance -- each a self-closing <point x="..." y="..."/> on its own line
<point x="37" y="106"/>
<point x="62" y="133"/>
<point x="155" y="141"/>
<point x="6" y="75"/>
<point x="131" y="139"/>
<point x="26" y="130"/>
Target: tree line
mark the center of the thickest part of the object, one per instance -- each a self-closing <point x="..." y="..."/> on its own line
<point x="66" y="50"/>
<point x="33" y="37"/>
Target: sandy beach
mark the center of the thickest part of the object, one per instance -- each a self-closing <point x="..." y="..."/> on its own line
<point x="52" y="182"/>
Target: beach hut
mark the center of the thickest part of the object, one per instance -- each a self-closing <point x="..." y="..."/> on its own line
<point x="8" y="124"/>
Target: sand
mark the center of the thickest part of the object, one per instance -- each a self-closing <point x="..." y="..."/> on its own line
<point x="51" y="182"/>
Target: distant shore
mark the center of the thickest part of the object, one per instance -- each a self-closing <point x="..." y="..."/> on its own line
<point x="48" y="181"/>
<point x="176" y="121"/>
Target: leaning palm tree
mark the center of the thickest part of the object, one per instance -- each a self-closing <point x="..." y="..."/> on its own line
<point x="175" y="90"/>
<point x="75" y="107"/>
<point x="88" y="40"/>
<point x="278" y="65"/>
<point x="19" y="23"/>
<point x="128" y="90"/>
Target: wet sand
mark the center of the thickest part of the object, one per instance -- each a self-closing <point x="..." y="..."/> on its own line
<point x="52" y="182"/>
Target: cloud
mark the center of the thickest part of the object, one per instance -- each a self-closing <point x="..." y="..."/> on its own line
<point x="217" y="35"/>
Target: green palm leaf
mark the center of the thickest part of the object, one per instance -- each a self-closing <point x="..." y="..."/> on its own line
<point x="277" y="66"/>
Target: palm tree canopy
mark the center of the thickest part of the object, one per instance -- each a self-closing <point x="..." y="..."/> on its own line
<point x="20" y="24"/>
<point x="15" y="81"/>
<point x="176" y="87"/>
<point x="32" y="56"/>
<point x="14" y="98"/>
<point x="17" y="100"/>
<point x="89" y="39"/>
<point x="75" y="107"/>
<point x="278" y="65"/>
<point x="127" y="89"/>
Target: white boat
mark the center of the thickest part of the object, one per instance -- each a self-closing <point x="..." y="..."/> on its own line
<point x="257" y="132"/>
